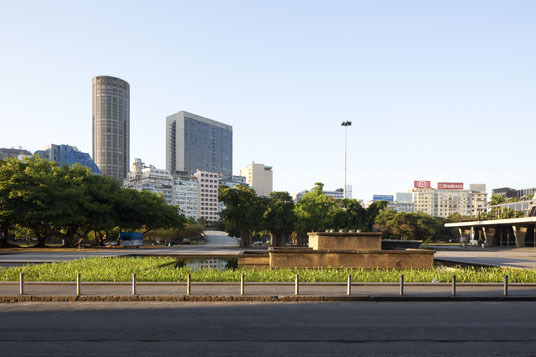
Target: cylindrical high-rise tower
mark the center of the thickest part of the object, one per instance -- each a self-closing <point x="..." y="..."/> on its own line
<point x="111" y="126"/>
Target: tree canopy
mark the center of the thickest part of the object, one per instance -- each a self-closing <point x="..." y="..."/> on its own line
<point x="69" y="202"/>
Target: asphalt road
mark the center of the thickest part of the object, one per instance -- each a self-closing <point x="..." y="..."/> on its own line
<point x="274" y="329"/>
<point x="218" y="243"/>
<point x="218" y="238"/>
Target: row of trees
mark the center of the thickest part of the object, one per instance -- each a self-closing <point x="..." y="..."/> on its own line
<point x="246" y="214"/>
<point x="494" y="212"/>
<point x="69" y="202"/>
<point x="412" y="225"/>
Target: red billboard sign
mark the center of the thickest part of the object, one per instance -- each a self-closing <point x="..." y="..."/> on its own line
<point x="449" y="186"/>
<point x="422" y="184"/>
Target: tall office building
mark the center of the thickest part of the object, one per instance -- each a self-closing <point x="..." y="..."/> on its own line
<point x="111" y="126"/>
<point x="196" y="143"/>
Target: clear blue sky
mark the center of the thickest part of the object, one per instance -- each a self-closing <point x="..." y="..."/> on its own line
<point x="437" y="90"/>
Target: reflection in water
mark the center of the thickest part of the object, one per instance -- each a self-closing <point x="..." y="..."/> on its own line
<point x="208" y="263"/>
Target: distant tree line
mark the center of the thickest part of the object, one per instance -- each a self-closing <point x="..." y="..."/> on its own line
<point x="493" y="211"/>
<point x="49" y="200"/>
<point x="247" y="215"/>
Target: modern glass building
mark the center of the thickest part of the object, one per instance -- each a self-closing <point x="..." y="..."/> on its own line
<point x="111" y="126"/>
<point x="69" y="155"/>
<point x="197" y="143"/>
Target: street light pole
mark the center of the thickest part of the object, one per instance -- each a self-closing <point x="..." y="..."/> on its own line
<point x="346" y="124"/>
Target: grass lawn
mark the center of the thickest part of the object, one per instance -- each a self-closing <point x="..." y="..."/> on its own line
<point x="165" y="270"/>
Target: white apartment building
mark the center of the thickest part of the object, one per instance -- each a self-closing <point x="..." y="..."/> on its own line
<point x="178" y="191"/>
<point x="401" y="206"/>
<point x="259" y="177"/>
<point x="337" y="194"/>
<point x="449" y="198"/>
<point x="207" y="196"/>
<point x="424" y="199"/>
<point x="186" y="195"/>
<point x="151" y="179"/>
<point x="233" y="181"/>
<point x="479" y="199"/>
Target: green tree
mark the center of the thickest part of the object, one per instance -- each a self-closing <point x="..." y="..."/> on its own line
<point x="314" y="211"/>
<point x="372" y="212"/>
<point x="496" y="200"/>
<point x="410" y="226"/>
<point x="27" y="192"/>
<point x="279" y="217"/>
<point x="356" y="215"/>
<point x="69" y="202"/>
<point x="243" y="211"/>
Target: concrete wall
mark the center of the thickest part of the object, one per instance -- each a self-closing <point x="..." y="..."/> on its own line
<point x="345" y="241"/>
<point x="254" y="262"/>
<point x="303" y="258"/>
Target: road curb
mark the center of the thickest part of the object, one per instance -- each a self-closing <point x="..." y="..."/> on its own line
<point x="274" y="298"/>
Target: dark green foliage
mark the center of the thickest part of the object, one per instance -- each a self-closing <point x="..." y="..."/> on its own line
<point x="243" y="211"/>
<point x="279" y="217"/>
<point x="410" y="226"/>
<point x="69" y="202"/>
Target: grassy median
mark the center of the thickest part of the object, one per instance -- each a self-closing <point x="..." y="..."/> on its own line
<point x="167" y="270"/>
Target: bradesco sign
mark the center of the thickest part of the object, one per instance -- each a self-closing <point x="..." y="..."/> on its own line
<point x="422" y="184"/>
<point x="449" y="186"/>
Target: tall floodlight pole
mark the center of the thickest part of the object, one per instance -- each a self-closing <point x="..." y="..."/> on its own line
<point x="346" y="124"/>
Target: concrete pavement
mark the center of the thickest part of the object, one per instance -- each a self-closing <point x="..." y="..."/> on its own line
<point x="269" y="329"/>
<point x="524" y="258"/>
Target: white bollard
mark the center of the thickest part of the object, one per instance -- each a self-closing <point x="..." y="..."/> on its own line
<point x="78" y="284"/>
<point x="242" y="284"/>
<point x="349" y="285"/>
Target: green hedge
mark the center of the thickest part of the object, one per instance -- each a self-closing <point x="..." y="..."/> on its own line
<point x="165" y="270"/>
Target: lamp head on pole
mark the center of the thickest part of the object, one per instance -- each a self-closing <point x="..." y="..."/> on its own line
<point x="346" y="123"/>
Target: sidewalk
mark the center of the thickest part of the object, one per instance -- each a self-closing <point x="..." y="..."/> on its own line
<point x="9" y="291"/>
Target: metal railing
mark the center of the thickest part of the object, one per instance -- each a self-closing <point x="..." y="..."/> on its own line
<point x="297" y="284"/>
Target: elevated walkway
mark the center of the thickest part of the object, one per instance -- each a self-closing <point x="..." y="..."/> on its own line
<point x="511" y="232"/>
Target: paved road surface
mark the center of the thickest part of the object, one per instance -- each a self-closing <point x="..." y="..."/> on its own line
<point x="218" y="238"/>
<point x="218" y="243"/>
<point x="275" y="329"/>
<point x="507" y="257"/>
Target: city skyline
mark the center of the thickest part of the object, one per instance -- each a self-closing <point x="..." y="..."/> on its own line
<point x="434" y="91"/>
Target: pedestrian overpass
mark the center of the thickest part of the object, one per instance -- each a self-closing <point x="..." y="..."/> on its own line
<point x="511" y="232"/>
